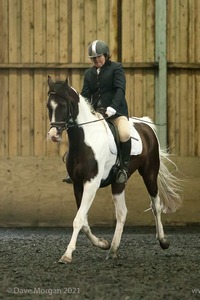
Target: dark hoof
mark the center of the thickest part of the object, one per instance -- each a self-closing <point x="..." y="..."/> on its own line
<point x="164" y="244"/>
<point x="68" y="180"/>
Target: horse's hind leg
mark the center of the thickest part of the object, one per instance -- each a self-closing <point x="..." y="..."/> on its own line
<point x="156" y="208"/>
<point x="121" y="212"/>
<point x="151" y="184"/>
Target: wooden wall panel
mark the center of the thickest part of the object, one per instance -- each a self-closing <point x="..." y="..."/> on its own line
<point x="4" y="120"/>
<point x="4" y="31"/>
<point x="64" y="25"/>
<point x="46" y="32"/>
<point x="26" y="31"/>
<point x="183" y="31"/>
<point x="140" y="92"/>
<point x="183" y="112"/>
<point x="138" y="31"/>
<point x="197" y="115"/>
<point x="26" y="114"/>
<point x="13" y="31"/>
<point x="39" y="31"/>
<point x="14" y="138"/>
<point x="138" y="46"/>
<point x="40" y="128"/>
<point x="149" y="21"/>
<point x="183" y="40"/>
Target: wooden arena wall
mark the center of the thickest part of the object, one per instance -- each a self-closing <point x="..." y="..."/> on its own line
<point x="41" y="37"/>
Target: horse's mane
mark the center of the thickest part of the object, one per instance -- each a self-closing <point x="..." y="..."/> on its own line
<point x="91" y="108"/>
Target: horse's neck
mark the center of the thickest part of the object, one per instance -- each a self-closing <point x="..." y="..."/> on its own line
<point x="85" y="114"/>
<point x="85" y="131"/>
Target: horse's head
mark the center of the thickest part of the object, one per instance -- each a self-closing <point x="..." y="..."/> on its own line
<point x="62" y="105"/>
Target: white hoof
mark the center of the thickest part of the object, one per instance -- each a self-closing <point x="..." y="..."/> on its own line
<point x="111" y="255"/>
<point x="65" y="260"/>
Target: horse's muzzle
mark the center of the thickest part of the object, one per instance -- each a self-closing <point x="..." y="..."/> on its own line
<point x="54" y="135"/>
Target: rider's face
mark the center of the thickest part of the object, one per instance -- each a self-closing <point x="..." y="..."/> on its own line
<point x="99" y="61"/>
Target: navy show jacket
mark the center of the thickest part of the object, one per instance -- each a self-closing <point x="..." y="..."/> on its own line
<point x="106" y="88"/>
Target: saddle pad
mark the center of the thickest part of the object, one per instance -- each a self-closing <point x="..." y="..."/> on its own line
<point x="136" y="143"/>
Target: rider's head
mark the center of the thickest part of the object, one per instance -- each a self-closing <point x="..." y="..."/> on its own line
<point x="98" y="48"/>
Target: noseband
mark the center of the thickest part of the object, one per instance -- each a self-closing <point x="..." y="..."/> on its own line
<point x="60" y="126"/>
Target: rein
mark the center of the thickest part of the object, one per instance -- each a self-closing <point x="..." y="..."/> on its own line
<point x="148" y="122"/>
<point x="66" y="125"/>
<point x="74" y="124"/>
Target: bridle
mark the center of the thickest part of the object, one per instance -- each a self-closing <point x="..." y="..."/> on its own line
<point x="62" y="125"/>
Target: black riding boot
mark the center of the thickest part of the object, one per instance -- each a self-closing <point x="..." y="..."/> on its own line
<point x="122" y="175"/>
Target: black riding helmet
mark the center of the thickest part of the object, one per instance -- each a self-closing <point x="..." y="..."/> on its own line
<point x="98" y="48"/>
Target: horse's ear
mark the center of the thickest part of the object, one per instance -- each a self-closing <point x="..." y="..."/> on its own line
<point x="50" y="83"/>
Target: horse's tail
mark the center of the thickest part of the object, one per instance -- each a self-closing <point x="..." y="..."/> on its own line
<point x="169" y="185"/>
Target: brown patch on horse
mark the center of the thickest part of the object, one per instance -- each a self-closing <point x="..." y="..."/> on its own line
<point x="81" y="163"/>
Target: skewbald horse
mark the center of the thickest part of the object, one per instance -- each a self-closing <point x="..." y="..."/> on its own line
<point x="90" y="161"/>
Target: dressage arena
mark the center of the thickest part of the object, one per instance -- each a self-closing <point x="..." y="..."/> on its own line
<point x="30" y="268"/>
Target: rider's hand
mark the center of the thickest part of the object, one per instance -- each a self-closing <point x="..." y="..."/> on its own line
<point x="110" y="111"/>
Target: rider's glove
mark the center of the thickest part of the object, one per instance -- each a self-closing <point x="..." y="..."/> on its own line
<point x="110" y="111"/>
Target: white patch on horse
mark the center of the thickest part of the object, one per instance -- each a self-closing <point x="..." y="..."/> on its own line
<point x="96" y="132"/>
<point x="53" y="106"/>
<point x="53" y="133"/>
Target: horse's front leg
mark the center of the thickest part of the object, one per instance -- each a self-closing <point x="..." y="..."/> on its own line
<point x="156" y="208"/>
<point x="89" y="192"/>
<point x="121" y="212"/>
<point x="98" y="242"/>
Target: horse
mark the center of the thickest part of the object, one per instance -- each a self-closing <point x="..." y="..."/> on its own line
<point x="92" y="154"/>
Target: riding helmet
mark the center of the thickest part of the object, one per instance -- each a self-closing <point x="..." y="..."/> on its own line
<point x="98" y="48"/>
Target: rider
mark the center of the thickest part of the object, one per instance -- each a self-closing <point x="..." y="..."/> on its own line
<point x="104" y="86"/>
